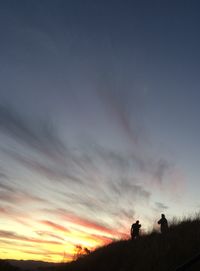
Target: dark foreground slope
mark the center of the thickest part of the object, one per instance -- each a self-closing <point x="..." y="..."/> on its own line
<point x="6" y="266"/>
<point x="151" y="252"/>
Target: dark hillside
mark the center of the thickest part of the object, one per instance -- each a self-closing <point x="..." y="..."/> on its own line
<point x="5" y="266"/>
<point x="150" y="252"/>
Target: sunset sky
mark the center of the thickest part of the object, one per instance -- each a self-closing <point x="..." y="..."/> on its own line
<point x="99" y="121"/>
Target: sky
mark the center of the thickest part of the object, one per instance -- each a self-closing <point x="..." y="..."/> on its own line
<point x="99" y="121"/>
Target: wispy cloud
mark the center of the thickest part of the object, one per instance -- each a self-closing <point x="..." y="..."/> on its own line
<point x="162" y="168"/>
<point x="16" y="236"/>
<point x="55" y="226"/>
<point x="45" y="253"/>
<point x="13" y="195"/>
<point x="87" y="224"/>
<point x="95" y="164"/>
<point x="12" y="213"/>
<point x="81" y="223"/>
<point x="49" y="234"/>
<point x="161" y="206"/>
<point x="118" y="107"/>
<point x="39" y="136"/>
<point x="102" y="187"/>
<point x="52" y="171"/>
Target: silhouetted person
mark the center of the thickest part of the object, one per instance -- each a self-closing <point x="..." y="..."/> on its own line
<point x="163" y="224"/>
<point x="135" y="230"/>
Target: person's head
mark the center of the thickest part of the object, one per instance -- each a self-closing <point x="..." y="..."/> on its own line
<point x="162" y="215"/>
<point x="137" y="222"/>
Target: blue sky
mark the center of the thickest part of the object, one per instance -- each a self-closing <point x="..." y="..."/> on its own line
<point x="98" y="119"/>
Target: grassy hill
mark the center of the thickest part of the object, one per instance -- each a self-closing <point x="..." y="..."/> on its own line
<point x="151" y="252"/>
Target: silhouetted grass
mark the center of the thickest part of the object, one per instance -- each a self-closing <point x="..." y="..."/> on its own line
<point x="150" y="252"/>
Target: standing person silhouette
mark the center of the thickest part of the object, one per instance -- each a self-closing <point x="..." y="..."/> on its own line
<point x="163" y="224"/>
<point x="135" y="230"/>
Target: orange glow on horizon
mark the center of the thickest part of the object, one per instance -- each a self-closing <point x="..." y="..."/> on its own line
<point x="53" y="242"/>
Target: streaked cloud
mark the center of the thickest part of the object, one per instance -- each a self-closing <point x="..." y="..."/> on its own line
<point x="16" y="236"/>
<point x="161" y="206"/>
<point x="96" y="190"/>
<point x="49" y="234"/>
<point x="39" y="136"/>
<point x="12" y="195"/>
<point x="55" y="226"/>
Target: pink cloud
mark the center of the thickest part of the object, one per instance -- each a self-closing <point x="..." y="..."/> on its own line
<point x="54" y="225"/>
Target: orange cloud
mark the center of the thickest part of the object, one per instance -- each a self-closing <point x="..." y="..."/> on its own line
<point x="87" y="224"/>
<point x="15" y="236"/>
<point x="54" y="225"/>
<point x="102" y="240"/>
